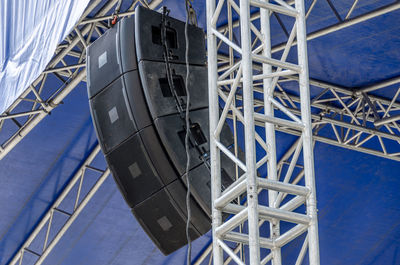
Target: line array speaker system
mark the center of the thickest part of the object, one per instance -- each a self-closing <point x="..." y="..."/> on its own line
<point x="141" y="130"/>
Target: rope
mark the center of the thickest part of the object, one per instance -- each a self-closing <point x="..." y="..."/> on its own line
<point x="190" y="15"/>
<point x="189" y="214"/>
<point x="183" y="110"/>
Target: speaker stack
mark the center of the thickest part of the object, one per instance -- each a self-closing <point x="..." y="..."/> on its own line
<point x="140" y="129"/>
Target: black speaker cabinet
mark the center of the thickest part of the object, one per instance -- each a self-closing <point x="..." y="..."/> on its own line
<point x="119" y="111"/>
<point x="148" y="39"/>
<point x="141" y="131"/>
<point x="163" y="217"/>
<point x="110" y="56"/>
<point x="158" y="94"/>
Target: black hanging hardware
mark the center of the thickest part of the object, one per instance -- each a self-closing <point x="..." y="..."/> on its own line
<point x="114" y="15"/>
<point x="180" y="104"/>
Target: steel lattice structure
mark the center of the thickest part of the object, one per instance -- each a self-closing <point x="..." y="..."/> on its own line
<point x="255" y="49"/>
<point x="347" y="117"/>
<point x="46" y="223"/>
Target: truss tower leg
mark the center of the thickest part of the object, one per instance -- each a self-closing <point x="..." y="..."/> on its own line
<point x="287" y="194"/>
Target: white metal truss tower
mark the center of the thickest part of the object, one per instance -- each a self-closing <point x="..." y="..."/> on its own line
<point x="251" y="66"/>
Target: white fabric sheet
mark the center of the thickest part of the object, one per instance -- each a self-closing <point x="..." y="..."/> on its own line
<point x="30" y="31"/>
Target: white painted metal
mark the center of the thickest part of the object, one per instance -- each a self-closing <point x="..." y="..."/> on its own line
<point x="249" y="134"/>
<point x="255" y="48"/>
<point x="308" y="157"/>
<point x="213" y="112"/>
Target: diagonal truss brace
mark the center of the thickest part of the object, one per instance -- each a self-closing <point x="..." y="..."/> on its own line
<point x="357" y="121"/>
<point x="46" y="223"/>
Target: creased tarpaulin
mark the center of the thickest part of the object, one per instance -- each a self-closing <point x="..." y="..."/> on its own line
<point x="30" y="31"/>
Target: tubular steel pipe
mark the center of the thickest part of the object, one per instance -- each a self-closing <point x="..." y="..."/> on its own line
<point x="308" y="156"/>
<point x="249" y="129"/>
<point x="232" y="223"/>
<point x="326" y="140"/>
<point x="390" y="119"/>
<point x="243" y="238"/>
<point x="303" y="252"/>
<point x="283" y="187"/>
<point x="278" y="121"/>
<point x="293" y="203"/>
<point x="292" y="234"/>
<point x="268" y="91"/>
<point x="273" y="213"/>
<point x="379" y="85"/>
<point x="21" y="114"/>
<point x="68" y="67"/>
<point x="227" y="197"/>
<point x="218" y="257"/>
<point x="345" y="24"/>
